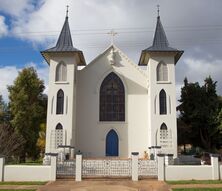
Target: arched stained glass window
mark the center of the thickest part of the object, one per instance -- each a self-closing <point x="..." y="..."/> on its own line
<point x="60" y="102"/>
<point x="112" y="99"/>
<point x="61" y="72"/>
<point x="162" y="72"/>
<point x="163" y="103"/>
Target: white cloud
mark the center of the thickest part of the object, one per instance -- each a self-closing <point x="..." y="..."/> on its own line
<point x="7" y="76"/>
<point x="196" y="70"/>
<point x="3" y="27"/>
<point x="9" y="73"/>
<point x="16" y="7"/>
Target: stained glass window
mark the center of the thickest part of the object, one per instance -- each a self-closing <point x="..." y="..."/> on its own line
<point x="112" y="99"/>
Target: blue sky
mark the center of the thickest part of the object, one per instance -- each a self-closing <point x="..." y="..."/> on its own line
<point x="28" y="26"/>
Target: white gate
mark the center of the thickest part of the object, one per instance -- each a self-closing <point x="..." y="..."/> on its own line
<point x="106" y="168"/>
<point x="147" y="168"/>
<point x="66" y="169"/>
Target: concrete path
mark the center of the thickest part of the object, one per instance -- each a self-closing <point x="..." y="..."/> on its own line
<point x="105" y="185"/>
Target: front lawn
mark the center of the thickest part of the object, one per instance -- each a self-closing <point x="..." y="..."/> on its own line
<point x="197" y="189"/>
<point x="23" y="183"/>
<point x="16" y="190"/>
<point x="194" y="182"/>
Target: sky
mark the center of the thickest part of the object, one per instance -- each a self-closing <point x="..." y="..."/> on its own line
<point x="29" y="26"/>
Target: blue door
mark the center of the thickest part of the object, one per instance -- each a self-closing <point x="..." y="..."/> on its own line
<point x="112" y="144"/>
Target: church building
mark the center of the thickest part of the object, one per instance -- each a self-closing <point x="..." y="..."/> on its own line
<point x="112" y="107"/>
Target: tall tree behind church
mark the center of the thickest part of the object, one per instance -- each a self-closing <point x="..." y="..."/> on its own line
<point x="27" y="110"/>
<point x="200" y="106"/>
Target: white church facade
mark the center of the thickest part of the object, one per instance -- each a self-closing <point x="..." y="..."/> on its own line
<point x="112" y="107"/>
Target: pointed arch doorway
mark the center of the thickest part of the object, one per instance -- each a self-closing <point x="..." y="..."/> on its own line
<point x="112" y="144"/>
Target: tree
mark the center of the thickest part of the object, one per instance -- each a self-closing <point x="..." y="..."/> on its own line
<point x="42" y="136"/>
<point x="4" y="112"/>
<point x="11" y="143"/>
<point x="183" y="134"/>
<point x="199" y="110"/>
<point x="26" y="107"/>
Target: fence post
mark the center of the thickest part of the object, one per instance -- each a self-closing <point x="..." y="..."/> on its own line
<point x="53" y="159"/>
<point x="215" y="167"/>
<point x="79" y="167"/>
<point x="161" y="167"/>
<point x="135" y="157"/>
<point x="2" y="166"/>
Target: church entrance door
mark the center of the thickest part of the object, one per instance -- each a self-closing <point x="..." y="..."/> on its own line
<point x="112" y="144"/>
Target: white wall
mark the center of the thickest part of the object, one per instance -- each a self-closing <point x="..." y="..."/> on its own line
<point x="154" y="117"/>
<point x="67" y="119"/>
<point x="90" y="132"/>
<point x="185" y="172"/>
<point x="27" y="173"/>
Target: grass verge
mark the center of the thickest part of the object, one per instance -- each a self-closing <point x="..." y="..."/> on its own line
<point x="194" y="182"/>
<point x="23" y="183"/>
<point x="197" y="189"/>
<point x="16" y="190"/>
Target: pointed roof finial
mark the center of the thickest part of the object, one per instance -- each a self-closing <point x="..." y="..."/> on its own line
<point x="67" y="10"/>
<point x="158" y="10"/>
<point x="112" y="33"/>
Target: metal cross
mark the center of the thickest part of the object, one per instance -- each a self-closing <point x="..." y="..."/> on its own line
<point x="67" y="10"/>
<point x="158" y="10"/>
<point x="112" y="33"/>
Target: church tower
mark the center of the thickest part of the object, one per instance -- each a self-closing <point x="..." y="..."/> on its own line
<point x="161" y="59"/>
<point x="63" y="60"/>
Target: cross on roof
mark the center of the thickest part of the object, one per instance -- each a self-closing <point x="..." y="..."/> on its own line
<point x="158" y="10"/>
<point x="112" y="33"/>
<point x="67" y="10"/>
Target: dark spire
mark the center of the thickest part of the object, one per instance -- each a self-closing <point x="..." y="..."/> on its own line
<point x="64" y="43"/>
<point x="160" y="43"/>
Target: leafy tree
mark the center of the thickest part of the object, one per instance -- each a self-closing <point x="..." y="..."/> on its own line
<point x="4" y="112"/>
<point x="42" y="137"/>
<point x="183" y="132"/>
<point x="11" y="143"/>
<point x="199" y="110"/>
<point x="26" y="107"/>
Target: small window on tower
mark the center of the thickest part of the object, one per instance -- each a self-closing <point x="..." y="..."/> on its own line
<point x="61" y="72"/>
<point x="60" y="102"/>
<point x="163" y="102"/>
<point x="164" y="138"/>
<point x="58" y="135"/>
<point x="162" y="72"/>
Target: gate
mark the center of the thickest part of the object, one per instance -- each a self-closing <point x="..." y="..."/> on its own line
<point x="66" y="169"/>
<point x="107" y="168"/>
<point x="147" y="168"/>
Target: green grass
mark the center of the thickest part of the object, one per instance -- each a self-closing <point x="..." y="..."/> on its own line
<point x="23" y="183"/>
<point x="197" y="189"/>
<point x="16" y="190"/>
<point x="195" y="182"/>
